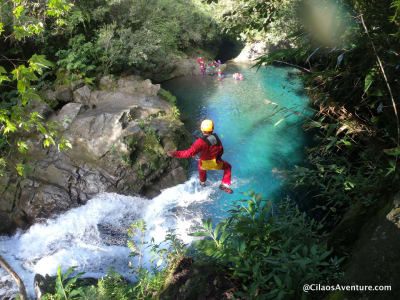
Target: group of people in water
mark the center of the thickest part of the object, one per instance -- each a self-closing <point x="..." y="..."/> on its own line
<point x="238" y="76"/>
<point x="216" y="65"/>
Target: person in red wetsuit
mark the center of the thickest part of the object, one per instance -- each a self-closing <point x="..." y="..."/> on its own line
<point x="203" y="69"/>
<point x="210" y="148"/>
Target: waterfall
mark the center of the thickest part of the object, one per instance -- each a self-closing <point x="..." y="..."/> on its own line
<point x="93" y="237"/>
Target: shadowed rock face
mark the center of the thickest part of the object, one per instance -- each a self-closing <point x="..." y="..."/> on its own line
<point x="119" y="135"/>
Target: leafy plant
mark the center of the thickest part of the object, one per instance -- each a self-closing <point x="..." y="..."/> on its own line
<point x="80" y="59"/>
<point x="150" y="280"/>
<point x="66" y="287"/>
<point x="114" y="287"/>
<point x="272" y="249"/>
<point x="18" y="78"/>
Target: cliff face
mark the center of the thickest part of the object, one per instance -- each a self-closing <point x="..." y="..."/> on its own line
<point x="119" y="134"/>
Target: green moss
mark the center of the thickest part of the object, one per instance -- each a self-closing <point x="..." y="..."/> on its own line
<point x="166" y="95"/>
<point x="153" y="148"/>
<point x="131" y="143"/>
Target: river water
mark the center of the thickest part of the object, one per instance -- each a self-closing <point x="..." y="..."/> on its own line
<point x="93" y="237"/>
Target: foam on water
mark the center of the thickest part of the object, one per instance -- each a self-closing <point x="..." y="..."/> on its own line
<point x="93" y="236"/>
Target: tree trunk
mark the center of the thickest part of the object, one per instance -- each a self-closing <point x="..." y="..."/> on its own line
<point x="21" y="286"/>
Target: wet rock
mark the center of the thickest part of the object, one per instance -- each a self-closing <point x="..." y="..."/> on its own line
<point x="44" y="285"/>
<point x="119" y="145"/>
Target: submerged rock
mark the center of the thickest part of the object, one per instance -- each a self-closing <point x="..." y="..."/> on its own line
<point x="119" y="141"/>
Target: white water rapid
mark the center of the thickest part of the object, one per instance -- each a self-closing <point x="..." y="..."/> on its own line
<point x="93" y="237"/>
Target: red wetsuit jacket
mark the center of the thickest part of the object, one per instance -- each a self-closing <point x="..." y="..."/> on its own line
<point x="206" y="150"/>
<point x="211" y="150"/>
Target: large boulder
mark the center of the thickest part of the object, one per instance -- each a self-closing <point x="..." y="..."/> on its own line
<point x="119" y="142"/>
<point x="374" y="258"/>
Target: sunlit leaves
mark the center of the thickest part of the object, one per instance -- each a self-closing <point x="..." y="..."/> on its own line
<point x="27" y="21"/>
<point x="58" y="8"/>
<point x="2" y="76"/>
<point x="38" y="62"/>
<point x="9" y="127"/>
<point x="22" y="146"/>
<point x="21" y="169"/>
<point x="270" y="254"/>
<point x="18" y="10"/>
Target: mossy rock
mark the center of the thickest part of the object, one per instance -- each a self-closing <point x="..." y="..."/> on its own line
<point x="196" y="280"/>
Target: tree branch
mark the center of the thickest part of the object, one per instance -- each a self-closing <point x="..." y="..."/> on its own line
<point x="386" y="80"/>
<point x="293" y="65"/>
<point x="21" y="286"/>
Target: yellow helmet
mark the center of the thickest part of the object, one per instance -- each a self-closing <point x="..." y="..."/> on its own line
<point x="207" y="126"/>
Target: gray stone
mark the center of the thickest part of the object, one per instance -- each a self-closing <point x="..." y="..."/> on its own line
<point x="64" y="94"/>
<point x="108" y="140"/>
<point x="82" y="95"/>
<point x="96" y="97"/>
<point x="147" y="88"/>
<point x="77" y="84"/>
<point x="107" y="83"/>
<point x="46" y="201"/>
<point x="68" y="113"/>
<point x="41" y="107"/>
<point x="49" y="95"/>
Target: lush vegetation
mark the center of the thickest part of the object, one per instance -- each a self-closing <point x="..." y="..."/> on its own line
<point x="350" y="59"/>
<point x="269" y="252"/>
<point x="20" y="73"/>
<point x="58" y="41"/>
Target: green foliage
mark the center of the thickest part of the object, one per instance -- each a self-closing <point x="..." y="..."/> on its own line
<point x="140" y="35"/>
<point x="114" y="287"/>
<point x="271" y="249"/>
<point x="66" y="287"/>
<point x="80" y="59"/>
<point x="150" y="281"/>
<point x="152" y="148"/>
<point x="20" y="91"/>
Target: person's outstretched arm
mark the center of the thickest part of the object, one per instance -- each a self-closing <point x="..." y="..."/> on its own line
<point x="191" y="152"/>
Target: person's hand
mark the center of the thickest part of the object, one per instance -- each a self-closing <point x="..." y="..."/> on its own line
<point x="171" y="153"/>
